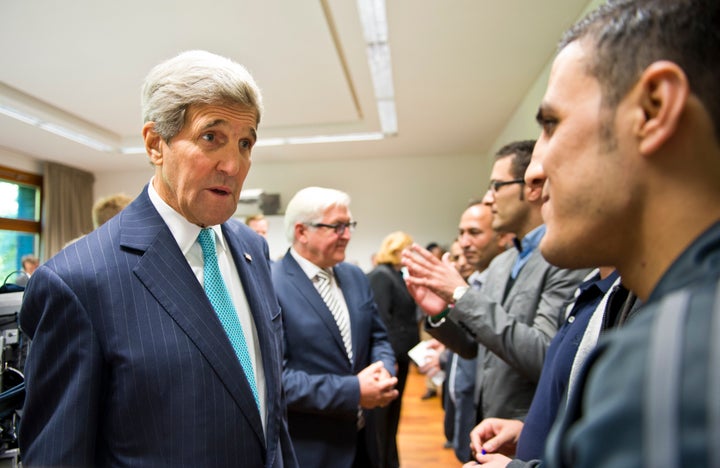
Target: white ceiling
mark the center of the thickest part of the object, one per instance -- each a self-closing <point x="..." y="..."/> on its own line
<point x="460" y="69"/>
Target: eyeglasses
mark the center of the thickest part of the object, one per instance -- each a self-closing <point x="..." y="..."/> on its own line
<point x="339" y="228"/>
<point x="496" y="184"/>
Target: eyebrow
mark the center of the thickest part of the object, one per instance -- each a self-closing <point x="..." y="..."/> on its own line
<point x="542" y="112"/>
<point x="219" y="122"/>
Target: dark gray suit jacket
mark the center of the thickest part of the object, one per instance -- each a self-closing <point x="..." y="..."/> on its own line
<point x="516" y="328"/>
<point x="130" y="366"/>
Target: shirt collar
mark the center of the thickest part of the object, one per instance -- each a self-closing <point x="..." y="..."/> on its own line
<point x="477" y="278"/>
<point x="184" y="232"/>
<point x="602" y="285"/>
<point x="531" y="240"/>
<point x="310" y="269"/>
<point x="698" y="261"/>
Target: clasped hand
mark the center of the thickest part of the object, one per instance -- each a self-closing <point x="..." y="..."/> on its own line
<point x="377" y="386"/>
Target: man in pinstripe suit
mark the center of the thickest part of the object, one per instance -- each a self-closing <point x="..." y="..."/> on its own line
<point x="129" y="365"/>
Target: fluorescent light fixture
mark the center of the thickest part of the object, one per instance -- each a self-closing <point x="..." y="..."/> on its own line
<point x="388" y="116"/>
<point x="17" y="115"/>
<point x="133" y="150"/>
<point x="379" y="62"/>
<point x="58" y="130"/>
<point x="373" y="17"/>
<point x="335" y="138"/>
<point x="75" y="136"/>
<point x="374" y="20"/>
<point x="386" y="110"/>
<point x="271" y="142"/>
<point x="306" y="140"/>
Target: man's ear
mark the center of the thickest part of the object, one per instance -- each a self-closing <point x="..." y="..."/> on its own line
<point x="533" y="190"/>
<point x="153" y="143"/>
<point x="663" y="91"/>
<point x="300" y="230"/>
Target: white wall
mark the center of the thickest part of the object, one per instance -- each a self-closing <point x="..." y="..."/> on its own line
<point x="20" y="162"/>
<point x="522" y="124"/>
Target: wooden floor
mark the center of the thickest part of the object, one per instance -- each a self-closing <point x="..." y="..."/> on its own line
<point x="420" y="437"/>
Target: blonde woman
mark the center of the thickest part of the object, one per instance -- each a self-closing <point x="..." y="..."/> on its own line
<point x="398" y="312"/>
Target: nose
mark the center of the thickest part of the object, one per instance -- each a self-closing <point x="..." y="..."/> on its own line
<point x="535" y="174"/>
<point x="463" y="239"/>
<point x="232" y="162"/>
<point x="346" y="233"/>
<point x="489" y="198"/>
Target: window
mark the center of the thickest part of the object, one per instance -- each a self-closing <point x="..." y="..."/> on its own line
<point x="20" y="229"/>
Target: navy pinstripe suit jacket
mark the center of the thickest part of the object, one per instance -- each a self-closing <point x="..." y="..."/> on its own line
<point x="129" y="365"/>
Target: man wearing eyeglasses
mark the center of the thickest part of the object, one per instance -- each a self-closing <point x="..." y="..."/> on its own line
<point x="338" y="361"/>
<point x="517" y="311"/>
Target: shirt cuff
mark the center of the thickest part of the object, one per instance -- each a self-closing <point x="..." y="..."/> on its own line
<point x="439" y="319"/>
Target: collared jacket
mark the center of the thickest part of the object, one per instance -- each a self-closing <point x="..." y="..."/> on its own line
<point x="515" y="321"/>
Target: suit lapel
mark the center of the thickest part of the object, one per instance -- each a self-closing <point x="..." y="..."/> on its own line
<point x="164" y="271"/>
<point x="259" y="300"/>
<point x="305" y="287"/>
<point x="535" y="261"/>
<point x="351" y="299"/>
<point x="501" y="274"/>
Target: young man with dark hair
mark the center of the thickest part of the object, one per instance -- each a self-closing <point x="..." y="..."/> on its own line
<point x="629" y="155"/>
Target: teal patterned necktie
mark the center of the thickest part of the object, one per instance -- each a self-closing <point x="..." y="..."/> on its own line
<point x="220" y="299"/>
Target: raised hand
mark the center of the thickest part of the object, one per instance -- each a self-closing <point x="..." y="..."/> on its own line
<point x="430" y="281"/>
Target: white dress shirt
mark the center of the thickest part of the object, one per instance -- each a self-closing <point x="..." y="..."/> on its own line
<point x="186" y="234"/>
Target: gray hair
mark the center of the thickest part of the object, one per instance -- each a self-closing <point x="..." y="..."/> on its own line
<point x="308" y="206"/>
<point x="194" y="77"/>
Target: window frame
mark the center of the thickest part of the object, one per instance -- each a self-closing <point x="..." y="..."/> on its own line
<point x="26" y="178"/>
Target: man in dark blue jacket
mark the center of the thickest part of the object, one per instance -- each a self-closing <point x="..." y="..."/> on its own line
<point x="338" y="361"/>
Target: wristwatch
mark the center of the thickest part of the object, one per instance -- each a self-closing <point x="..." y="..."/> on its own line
<point x="459" y="292"/>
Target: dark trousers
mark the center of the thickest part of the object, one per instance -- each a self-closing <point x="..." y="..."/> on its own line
<point x="362" y="452"/>
<point x="387" y="421"/>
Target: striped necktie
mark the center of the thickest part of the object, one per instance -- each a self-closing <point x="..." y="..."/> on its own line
<point x="217" y="292"/>
<point x="341" y="316"/>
